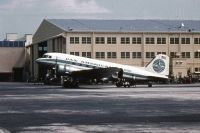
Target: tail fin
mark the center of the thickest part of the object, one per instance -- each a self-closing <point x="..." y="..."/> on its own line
<point x="160" y="65"/>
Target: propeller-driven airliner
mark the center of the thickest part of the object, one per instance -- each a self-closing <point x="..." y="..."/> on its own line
<point x="76" y="69"/>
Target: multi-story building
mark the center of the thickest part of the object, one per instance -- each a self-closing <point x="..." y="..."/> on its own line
<point x="13" y="57"/>
<point x="131" y="42"/>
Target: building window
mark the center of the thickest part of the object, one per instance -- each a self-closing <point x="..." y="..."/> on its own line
<point x="161" y="53"/>
<point x="86" y="40"/>
<point x="42" y="48"/>
<point x="185" y="40"/>
<point x="125" y="40"/>
<point x="174" y="40"/>
<point x="100" y="40"/>
<point x="185" y="54"/>
<point x="111" y="40"/>
<point x="196" y="54"/>
<point x="161" y="40"/>
<point x="150" y="40"/>
<point x="150" y="54"/>
<point x="12" y="44"/>
<point x="174" y="55"/>
<point x="197" y="69"/>
<point x="74" y="40"/>
<point x="21" y="44"/>
<point x="111" y="55"/>
<point x="5" y="44"/>
<point x="136" y="40"/>
<point x="136" y="55"/>
<point x="15" y="44"/>
<point x="74" y="53"/>
<point x="196" y="40"/>
<point x="86" y="54"/>
<point x="100" y="55"/>
<point x="125" y="55"/>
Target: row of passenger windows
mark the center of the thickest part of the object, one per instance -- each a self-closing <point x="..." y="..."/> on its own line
<point x="133" y="40"/>
<point x="127" y="55"/>
<point x="12" y="44"/>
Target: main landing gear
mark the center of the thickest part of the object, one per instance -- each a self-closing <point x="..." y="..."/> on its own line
<point x="69" y="82"/>
<point x="125" y="83"/>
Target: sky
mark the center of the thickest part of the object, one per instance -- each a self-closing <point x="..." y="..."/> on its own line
<point x="25" y="16"/>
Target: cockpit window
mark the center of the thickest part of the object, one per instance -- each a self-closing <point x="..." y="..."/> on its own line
<point x="47" y="56"/>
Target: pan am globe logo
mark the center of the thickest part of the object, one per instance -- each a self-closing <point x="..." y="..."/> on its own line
<point x="159" y="65"/>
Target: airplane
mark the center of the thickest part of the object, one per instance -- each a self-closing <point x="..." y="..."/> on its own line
<point x="76" y="69"/>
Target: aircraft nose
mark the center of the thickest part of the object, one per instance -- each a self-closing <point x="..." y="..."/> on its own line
<point x="41" y="61"/>
<point x="38" y="61"/>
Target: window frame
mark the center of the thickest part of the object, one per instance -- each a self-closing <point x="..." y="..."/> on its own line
<point x="149" y="40"/>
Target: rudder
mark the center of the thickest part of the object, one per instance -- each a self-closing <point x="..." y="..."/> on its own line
<point x="159" y="64"/>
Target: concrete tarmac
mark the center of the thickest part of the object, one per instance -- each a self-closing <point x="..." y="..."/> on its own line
<point x="28" y="108"/>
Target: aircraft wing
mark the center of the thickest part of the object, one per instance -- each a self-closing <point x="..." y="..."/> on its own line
<point x="97" y="73"/>
<point x="157" y="78"/>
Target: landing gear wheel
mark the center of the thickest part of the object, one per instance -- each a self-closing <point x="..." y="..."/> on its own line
<point x="126" y="84"/>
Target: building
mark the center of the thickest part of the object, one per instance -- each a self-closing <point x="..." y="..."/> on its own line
<point x="12" y="57"/>
<point x="131" y="42"/>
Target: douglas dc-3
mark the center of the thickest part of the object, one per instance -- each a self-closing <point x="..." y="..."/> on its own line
<point x="76" y="69"/>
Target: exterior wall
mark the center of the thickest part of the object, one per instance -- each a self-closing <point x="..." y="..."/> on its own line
<point x="29" y="38"/>
<point x="14" y="58"/>
<point x="12" y="66"/>
<point x="180" y="65"/>
<point x="10" y="58"/>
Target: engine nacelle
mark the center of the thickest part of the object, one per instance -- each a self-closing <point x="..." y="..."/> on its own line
<point x="62" y="70"/>
<point x="120" y="74"/>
